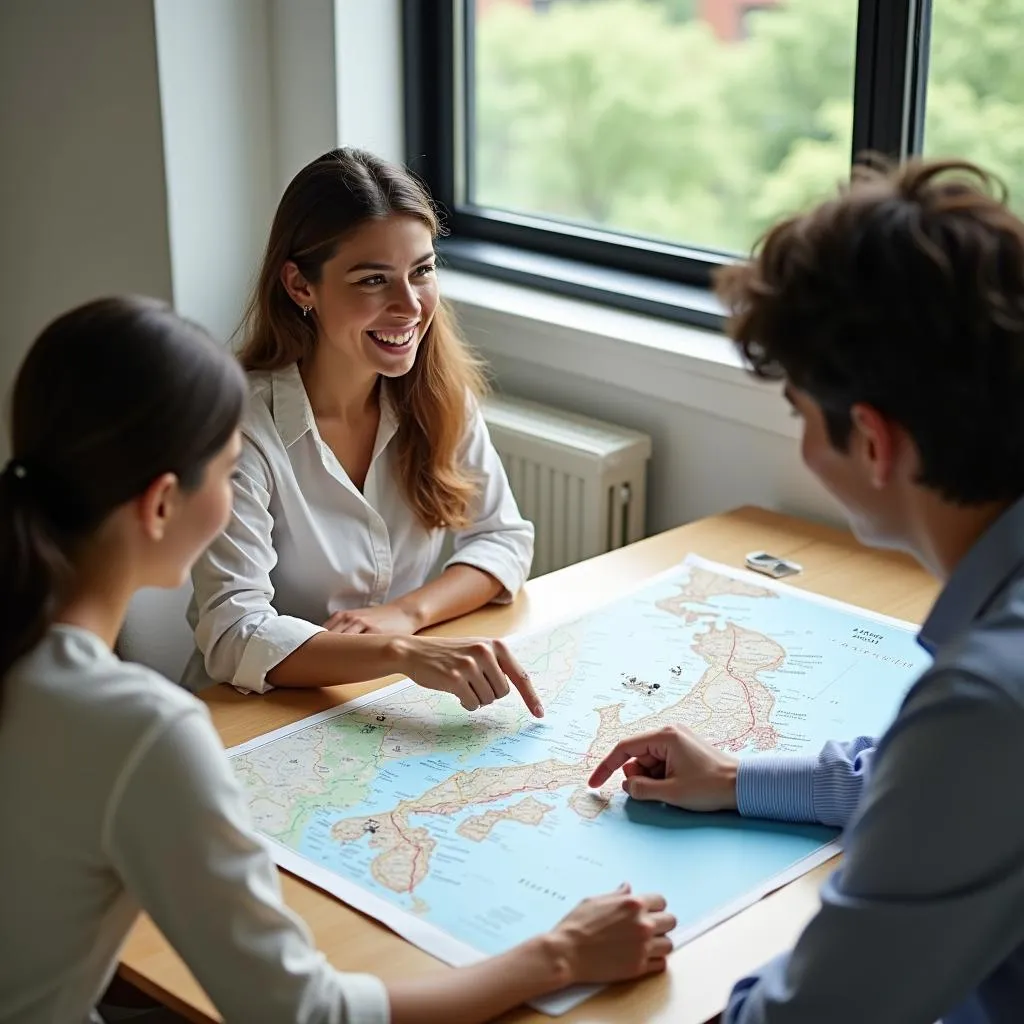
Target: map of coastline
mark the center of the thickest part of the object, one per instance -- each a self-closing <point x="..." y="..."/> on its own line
<point x="481" y="825"/>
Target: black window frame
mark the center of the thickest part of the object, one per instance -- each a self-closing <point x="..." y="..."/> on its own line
<point x="638" y="274"/>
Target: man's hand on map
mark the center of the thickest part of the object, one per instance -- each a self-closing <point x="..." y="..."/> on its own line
<point x="675" y="766"/>
<point x="614" y="937"/>
<point x="476" y="671"/>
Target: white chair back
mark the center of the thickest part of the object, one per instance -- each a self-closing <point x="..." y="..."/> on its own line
<point x="155" y="632"/>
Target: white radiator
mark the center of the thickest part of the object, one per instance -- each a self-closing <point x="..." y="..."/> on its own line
<point x="580" y="481"/>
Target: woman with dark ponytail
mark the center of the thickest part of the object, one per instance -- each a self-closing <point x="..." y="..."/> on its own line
<point x="115" y="793"/>
<point x="113" y="398"/>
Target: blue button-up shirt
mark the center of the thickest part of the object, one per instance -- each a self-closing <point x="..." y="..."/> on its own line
<point x="925" y="919"/>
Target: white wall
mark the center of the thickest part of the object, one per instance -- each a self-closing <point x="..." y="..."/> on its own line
<point x="215" y="95"/>
<point x="249" y="95"/>
<point x="305" y="86"/>
<point x="82" y="202"/>
<point x="369" y="75"/>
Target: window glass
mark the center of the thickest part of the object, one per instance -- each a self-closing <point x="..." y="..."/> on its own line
<point x="699" y="122"/>
<point x="975" y="96"/>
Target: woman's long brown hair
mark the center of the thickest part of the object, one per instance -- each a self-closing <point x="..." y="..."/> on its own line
<point x="324" y="202"/>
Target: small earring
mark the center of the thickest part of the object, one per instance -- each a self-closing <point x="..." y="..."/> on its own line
<point x="305" y="310"/>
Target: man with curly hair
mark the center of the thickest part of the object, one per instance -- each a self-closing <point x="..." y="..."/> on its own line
<point x="894" y="315"/>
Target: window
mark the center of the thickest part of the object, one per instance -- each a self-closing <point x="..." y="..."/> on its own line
<point x="975" y="102"/>
<point x="691" y="123"/>
<point x="622" y="149"/>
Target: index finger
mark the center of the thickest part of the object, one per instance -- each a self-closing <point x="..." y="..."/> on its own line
<point x="520" y="680"/>
<point x="623" y="751"/>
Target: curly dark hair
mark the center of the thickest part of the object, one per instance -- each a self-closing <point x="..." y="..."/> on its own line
<point x="906" y="293"/>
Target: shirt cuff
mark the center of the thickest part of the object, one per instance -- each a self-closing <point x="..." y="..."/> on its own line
<point x="780" y="788"/>
<point x="503" y="566"/>
<point x="366" y="1000"/>
<point x="276" y="638"/>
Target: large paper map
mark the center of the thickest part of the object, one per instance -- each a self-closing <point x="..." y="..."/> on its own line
<point x="467" y="833"/>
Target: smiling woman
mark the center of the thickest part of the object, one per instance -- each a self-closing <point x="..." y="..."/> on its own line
<point x="363" y="444"/>
<point x="372" y="305"/>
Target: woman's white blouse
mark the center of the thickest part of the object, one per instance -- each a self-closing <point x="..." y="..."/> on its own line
<point x="303" y="542"/>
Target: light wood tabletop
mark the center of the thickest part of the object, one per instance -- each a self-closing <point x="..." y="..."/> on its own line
<point x="701" y="973"/>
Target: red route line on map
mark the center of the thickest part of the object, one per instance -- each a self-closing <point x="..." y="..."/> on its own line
<point x="416" y="856"/>
<point x="746" y="688"/>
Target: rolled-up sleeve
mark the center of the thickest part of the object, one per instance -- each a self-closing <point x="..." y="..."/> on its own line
<point x="500" y="540"/>
<point x="928" y="902"/>
<point x="239" y="634"/>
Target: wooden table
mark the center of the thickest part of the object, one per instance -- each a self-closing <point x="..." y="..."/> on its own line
<point x="701" y="974"/>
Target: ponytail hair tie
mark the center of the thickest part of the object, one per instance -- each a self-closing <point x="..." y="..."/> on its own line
<point x="14" y="470"/>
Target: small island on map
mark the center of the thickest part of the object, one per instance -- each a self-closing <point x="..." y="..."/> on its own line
<point x="648" y="689"/>
<point x="526" y="812"/>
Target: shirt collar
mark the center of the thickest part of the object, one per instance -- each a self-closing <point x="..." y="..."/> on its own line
<point x="388" y="420"/>
<point x="293" y="415"/>
<point x="980" y="575"/>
